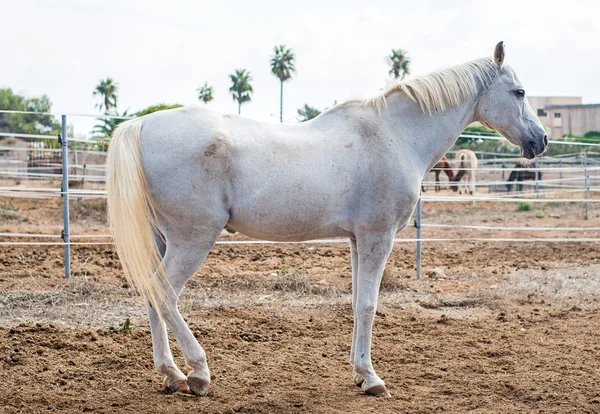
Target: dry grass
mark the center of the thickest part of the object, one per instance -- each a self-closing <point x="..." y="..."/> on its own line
<point x="566" y="282"/>
<point x="391" y="281"/>
<point x="75" y="302"/>
<point x="89" y="211"/>
<point x="10" y="215"/>
<point x="85" y="302"/>
<point x="455" y="301"/>
<point x="298" y="282"/>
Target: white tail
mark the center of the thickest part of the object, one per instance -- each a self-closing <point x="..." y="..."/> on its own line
<point x="132" y="215"/>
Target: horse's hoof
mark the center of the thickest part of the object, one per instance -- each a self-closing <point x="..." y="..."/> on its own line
<point x="198" y="386"/>
<point x="358" y="380"/>
<point x="378" y="391"/>
<point x="175" y="386"/>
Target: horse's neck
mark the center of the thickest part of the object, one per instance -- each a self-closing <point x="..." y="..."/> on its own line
<point x="449" y="172"/>
<point x="430" y="135"/>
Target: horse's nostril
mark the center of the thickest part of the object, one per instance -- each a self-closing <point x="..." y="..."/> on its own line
<point x="546" y="140"/>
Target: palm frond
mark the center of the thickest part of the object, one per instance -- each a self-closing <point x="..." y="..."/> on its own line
<point x="400" y="63"/>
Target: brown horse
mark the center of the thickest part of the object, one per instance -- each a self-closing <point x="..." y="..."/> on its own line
<point x="441" y="165"/>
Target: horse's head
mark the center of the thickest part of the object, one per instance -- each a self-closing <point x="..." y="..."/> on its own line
<point x="504" y="107"/>
<point x="455" y="180"/>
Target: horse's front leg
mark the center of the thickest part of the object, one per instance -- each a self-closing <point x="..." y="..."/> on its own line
<point x="354" y="263"/>
<point x="373" y="251"/>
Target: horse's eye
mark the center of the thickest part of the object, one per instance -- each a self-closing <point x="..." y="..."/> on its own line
<point x="520" y="93"/>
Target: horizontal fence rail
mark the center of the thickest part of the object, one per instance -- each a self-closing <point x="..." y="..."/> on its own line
<point x="343" y="241"/>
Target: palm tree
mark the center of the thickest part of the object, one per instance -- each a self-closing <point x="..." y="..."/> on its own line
<point x="107" y="89"/>
<point x="308" y="112"/>
<point x="241" y="88"/>
<point x="205" y="93"/>
<point x="400" y="63"/>
<point x="282" y="66"/>
<point x="105" y="127"/>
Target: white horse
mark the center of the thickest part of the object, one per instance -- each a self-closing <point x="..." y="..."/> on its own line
<point x="177" y="178"/>
<point x="466" y="164"/>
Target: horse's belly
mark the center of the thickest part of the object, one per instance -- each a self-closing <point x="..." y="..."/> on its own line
<point x="280" y="227"/>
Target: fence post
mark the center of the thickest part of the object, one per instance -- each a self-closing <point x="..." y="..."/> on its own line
<point x="82" y="182"/>
<point x="473" y="171"/>
<point x="64" y="141"/>
<point x="560" y="173"/>
<point x="418" y="227"/>
<point x="537" y="181"/>
<point x="586" y="181"/>
<point x="83" y="175"/>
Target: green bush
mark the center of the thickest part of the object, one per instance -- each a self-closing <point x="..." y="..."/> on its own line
<point x="524" y="206"/>
<point x="8" y="206"/>
<point x="127" y="326"/>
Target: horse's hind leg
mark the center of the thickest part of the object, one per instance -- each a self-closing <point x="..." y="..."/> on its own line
<point x="174" y="380"/>
<point x="471" y="182"/>
<point x="186" y="250"/>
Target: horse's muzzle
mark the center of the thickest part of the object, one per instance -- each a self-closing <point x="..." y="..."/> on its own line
<point x="534" y="147"/>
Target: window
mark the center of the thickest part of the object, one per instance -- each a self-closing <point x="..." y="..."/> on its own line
<point x="541" y="112"/>
<point x="556" y="114"/>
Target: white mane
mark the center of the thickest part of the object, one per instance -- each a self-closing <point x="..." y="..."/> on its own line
<point x="445" y="88"/>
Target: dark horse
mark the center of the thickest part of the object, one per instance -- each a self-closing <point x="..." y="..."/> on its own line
<point x="441" y="165"/>
<point x="521" y="175"/>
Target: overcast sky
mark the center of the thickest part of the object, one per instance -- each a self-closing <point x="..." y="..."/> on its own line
<point x="162" y="51"/>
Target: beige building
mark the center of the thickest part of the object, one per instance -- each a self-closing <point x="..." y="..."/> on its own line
<point x="563" y="115"/>
<point x="573" y="119"/>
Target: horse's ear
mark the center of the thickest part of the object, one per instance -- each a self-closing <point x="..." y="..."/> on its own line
<point x="499" y="54"/>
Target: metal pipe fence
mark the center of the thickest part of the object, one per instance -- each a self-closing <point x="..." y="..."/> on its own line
<point x="564" y="174"/>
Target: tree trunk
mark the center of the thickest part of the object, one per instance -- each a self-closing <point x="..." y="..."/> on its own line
<point x="281" y="102"/>
<point x="239" y="108"/>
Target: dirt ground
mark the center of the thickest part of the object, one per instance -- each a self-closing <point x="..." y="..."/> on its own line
<point x="491" y="327"/>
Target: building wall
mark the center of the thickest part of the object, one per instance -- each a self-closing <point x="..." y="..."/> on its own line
<point x="573" y="120"/>
<point x="539" y="103"/>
